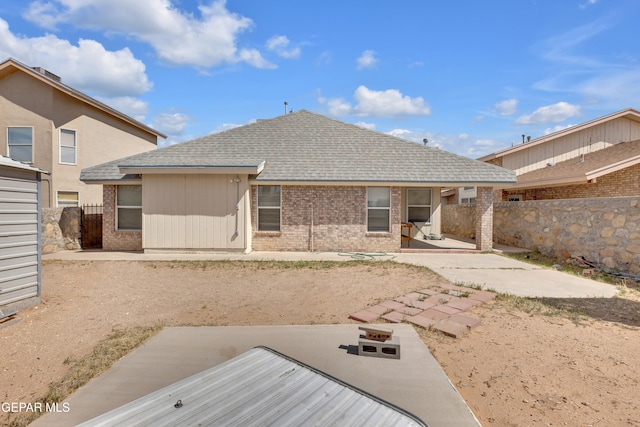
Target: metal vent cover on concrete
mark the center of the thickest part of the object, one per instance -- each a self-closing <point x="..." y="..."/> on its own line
<point x="260" y="387"/>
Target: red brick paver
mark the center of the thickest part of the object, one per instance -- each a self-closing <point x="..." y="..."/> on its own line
<point x="437" y="308"/>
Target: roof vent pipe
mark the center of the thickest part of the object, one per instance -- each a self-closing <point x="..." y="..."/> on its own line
<point x="523" y="138"/>
<point x="528" y="138"/>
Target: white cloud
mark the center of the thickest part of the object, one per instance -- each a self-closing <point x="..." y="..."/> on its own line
<point x="547" y="131"/>
<point x="87" y="66"/>
<point x="401" y="133"/>
<point x="324" y="58"/>
<point x="555" y="113"/>
<point x="587" y="4"/>
<point x="172" y="124"/>
<point x="371" y="103"/>
<point x="280" y="45"/>
<point x="370" y="126"/>
<point x="507" y="107"/>
<point x="367" y="60"/>
<point x="206" y="40"/>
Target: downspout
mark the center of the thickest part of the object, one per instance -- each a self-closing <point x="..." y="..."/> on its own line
<point x="311" y="231"/>
<point x="237" y="180"/>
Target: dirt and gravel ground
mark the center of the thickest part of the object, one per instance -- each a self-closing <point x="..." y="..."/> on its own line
<point x="518" y="368"/>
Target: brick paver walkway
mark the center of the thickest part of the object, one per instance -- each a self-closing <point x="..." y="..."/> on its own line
<point x="437" y="308"/>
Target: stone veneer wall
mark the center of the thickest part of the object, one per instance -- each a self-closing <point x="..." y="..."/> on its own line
<point x="459" y="220"/>
<point x="60" y="229"/>
<point x="112" y="239"/>
<point x="603" y="230"/>
<point x="339" y="221"/>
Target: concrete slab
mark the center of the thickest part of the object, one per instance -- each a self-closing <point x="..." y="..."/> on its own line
<point x="507" y="275"/>
<point x="415" y="383"/>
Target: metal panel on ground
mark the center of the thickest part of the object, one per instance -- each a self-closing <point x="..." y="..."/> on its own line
<point x="19" y="236"/>
<point x="257" y="388"/>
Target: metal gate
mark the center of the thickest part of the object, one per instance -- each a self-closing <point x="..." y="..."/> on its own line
<point x="92" y="227"/>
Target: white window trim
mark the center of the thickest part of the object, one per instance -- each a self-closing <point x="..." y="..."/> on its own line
<point x="63" y="191"/>
<point x="75" y="151"/>
<point x="430" y="205"/>
<point x="32" y="143"/>
<point x="388" y="208"/>
<point x="279" y="207"/>
<point x="124" y="207"/>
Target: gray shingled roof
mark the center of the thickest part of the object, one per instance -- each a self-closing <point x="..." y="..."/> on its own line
<point x="308" y="147"/>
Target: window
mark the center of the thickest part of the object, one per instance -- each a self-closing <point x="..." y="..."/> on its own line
<point x="20" y="143"/>
<point x="68" y="146"/>
<point x="418" y="205"/>
<point x="268" y="208"/>
<point x="67" y="199"/>
<point x="129" y="208"/>
<point x="514" y="198"/>
<point x="378" y="209"/>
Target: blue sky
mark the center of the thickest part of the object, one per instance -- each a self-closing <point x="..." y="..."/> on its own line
<point x="469" y="76"/>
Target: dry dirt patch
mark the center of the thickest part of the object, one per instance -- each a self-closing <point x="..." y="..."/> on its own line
<point x="516" y="368"/>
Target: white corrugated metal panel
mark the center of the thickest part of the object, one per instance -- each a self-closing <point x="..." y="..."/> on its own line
<point x="19" y="225"/>
<point x="260" y="387"/>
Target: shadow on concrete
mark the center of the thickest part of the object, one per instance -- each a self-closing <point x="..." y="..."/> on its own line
<point x="619" y="310"/>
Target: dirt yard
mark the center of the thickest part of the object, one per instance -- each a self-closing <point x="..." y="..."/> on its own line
<point x="516" y="369"/>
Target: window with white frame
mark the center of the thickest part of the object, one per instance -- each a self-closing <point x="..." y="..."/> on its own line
<point x="67" y="199"/>
<point x="129" y="207"/>
<point x="419" y="205"/>
<point x="378" y="209"/>
<point x="20" y="143"/>
<point x="68" y="145"/>
<point x="269" y="208"/>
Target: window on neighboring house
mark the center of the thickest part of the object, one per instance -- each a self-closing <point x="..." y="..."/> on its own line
<point x="378" y="209"/>
<point x="468" y="200"/>
<point x="514" y="198"/>
<point x="129" y="207"/>
<point x="419" y="204"/>
<point x="268" y="208"/>
<point x="67" y="199"/>
<point x="68" y="146"/>
<point x="20" y="143"/>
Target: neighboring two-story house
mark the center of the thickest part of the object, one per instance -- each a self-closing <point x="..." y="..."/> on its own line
<point x="53" y="127"/>
<point x="598" y="158"/>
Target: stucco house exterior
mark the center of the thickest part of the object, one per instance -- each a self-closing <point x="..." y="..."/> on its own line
<point x="598" y="158"/>
<point x="51" y="126"/>
<point x="297" y="182"/>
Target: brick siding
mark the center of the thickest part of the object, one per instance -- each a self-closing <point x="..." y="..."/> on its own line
<point x="111" y="239"/>
<point x="622" y="183"/>
<point x="339" y="221"/>
<point x="484" y="218"/>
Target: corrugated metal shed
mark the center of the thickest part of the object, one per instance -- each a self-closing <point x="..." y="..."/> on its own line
<point x="260" y="387"/>
<point x="19" y="236"/>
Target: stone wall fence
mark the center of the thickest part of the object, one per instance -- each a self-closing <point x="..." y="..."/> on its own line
<point x="60" y="229"/>
<point x="605" y="230"/>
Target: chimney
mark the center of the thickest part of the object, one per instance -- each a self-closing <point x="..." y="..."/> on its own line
<point x="48" y="74"/>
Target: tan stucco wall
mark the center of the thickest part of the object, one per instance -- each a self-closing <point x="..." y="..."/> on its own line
<point x="100" y="137"/>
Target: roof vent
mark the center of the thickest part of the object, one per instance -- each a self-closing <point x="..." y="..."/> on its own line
<point x="551" y="164"/>
<point x="48" y="73"/>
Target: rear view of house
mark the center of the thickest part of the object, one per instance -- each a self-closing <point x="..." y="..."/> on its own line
<point x="297" y="182"/>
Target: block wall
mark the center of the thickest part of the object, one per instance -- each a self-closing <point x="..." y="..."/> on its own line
<point x="326" y="218"/>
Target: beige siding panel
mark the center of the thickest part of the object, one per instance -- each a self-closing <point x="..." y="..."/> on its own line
<point x="194" y="212"/>
<point x="572" y="146"/>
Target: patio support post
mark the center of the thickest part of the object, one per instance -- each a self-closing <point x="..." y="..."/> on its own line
<point x="484" y="219"/>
